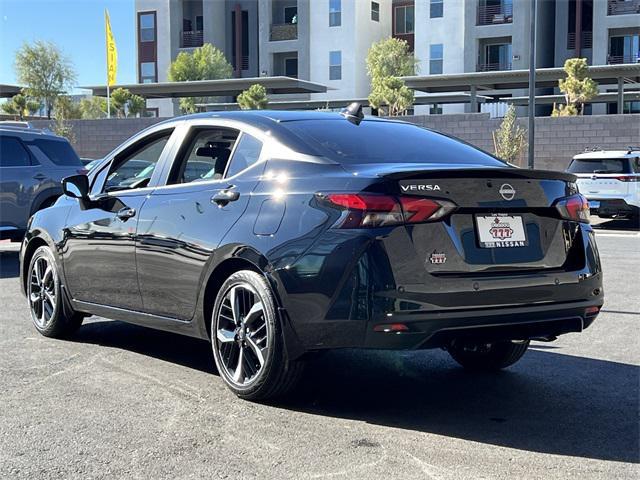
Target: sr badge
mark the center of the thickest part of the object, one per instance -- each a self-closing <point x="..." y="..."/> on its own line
<point x="437" y="258"/>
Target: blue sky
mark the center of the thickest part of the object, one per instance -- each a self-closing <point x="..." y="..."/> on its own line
<point x="77" y="27"/>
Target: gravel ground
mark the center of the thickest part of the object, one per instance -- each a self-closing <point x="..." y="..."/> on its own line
<point x="121" y="401"/>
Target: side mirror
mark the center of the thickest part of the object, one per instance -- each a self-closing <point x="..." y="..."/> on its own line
<point x="76" y="186"/>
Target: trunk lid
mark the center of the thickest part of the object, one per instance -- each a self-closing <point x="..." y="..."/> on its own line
<point x="506" y="219"/>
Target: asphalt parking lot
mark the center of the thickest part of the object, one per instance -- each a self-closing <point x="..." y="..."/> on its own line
<point x="120" y="401"/>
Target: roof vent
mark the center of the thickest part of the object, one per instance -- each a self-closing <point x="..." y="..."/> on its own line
<point x="353" y="113"/>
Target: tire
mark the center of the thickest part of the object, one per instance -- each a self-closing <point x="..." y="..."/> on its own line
<point x="50" y="315"/>
<point x="247" y="342"/>
<point x="487" y="356"/>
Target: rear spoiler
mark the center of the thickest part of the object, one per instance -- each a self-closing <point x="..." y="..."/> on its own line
<point x="489" y="172"/>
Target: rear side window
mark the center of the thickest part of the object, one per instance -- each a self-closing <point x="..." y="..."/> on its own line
<point x="600" y="165"/>
<point x="386" y="142"/>
<point x="59" y="152"/>
<point x="13" y="153"/>
<point x="246" y="154"/>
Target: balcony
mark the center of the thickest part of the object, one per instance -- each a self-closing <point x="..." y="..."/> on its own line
<point x="587" y="40"/>
<point x="493" y="67"/>
<point x="623" y="7"/>
<point x="494" y="14"/>
<point x="191" y="39"/>
<point x="283" y="31"/>
<point x="618" y="59"/>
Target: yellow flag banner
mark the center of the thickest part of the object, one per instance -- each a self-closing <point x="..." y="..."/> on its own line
<point x="112" y="52"/>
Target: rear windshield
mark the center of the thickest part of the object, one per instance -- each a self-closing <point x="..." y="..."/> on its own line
<point x="600" y="165"/>
<point x="59" y="152"/>
<point x="374" y="142"/>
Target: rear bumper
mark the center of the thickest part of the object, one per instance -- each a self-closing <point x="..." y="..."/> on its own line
<point x="613" y="206"/>
<point x="438" y="329"/>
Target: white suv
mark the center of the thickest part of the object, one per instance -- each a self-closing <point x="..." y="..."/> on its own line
<point x="610" y="180"/>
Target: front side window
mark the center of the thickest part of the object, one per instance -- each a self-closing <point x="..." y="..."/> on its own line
<point x="246" y="154"/>
<point x="13" y="153"/>
<point x="436" y="9"/>
<point x="436" y="52"/>
<point x="404" y="20"/>
<point x="147" y="27"/>
<point x="335" y="13"/>
<point x="205" y="157"/>
<point x="134" y="169"/>
<point x="335" y="65"/>
<point x="375" y="11"/>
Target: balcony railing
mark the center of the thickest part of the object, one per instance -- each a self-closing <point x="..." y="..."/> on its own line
<point x="493" y="67"/>
<point x="623" y="7"/>
<point x="495" y="14"/>
<point x="283" y="31"/>
<point x="617" y="59"/>
<point x="587" y="40"/>
<point x="245" y="62"/>
<point x="191" y="39"/>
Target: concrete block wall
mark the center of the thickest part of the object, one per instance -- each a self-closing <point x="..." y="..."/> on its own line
<point x="557" y="139"/>
<point x="96" y="138"/>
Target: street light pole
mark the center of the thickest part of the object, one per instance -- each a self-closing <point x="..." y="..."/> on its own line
<point x="532" y="82"/>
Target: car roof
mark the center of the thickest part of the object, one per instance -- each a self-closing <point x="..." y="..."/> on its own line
<point x="29" y="132"/>
<point x="599" y="154"/>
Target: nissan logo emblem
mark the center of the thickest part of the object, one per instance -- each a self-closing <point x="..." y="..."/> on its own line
<point x="507" y="191"/>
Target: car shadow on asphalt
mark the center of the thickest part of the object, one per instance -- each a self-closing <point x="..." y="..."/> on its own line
<point x="548" y="403"/>
<point x="622" y="224"/>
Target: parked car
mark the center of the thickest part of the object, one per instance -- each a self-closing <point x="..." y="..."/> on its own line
<point x="316" y="231"/>
<point x="610" y="179"/>
<point x="32" y="164"/>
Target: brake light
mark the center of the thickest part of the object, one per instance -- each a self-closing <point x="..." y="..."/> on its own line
<point x="575" y="207"/>
<point x="628" y="178"/>
<point x="364" y="210"/>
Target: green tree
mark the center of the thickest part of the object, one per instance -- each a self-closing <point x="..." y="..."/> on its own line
<point x="20" y="106"/>
<point x="393" y="93"/>
<point x="510" y="139"/>
<point x="93" y="108"/>
<point x="63" y="110"/>
<point x="253" y="98"/>
<point x="205" y="63"/>
<point x="45" y="72"/>
<point x="126" y="104"/>
<point x="387" y="60"/>
<point x="578" y="88"/>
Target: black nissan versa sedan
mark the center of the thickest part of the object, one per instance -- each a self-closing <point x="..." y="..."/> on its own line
<point x="278" y="234"/>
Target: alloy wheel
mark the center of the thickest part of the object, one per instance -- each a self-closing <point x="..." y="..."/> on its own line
<point x="242" y="334"/>
<point x="42" y="291"/>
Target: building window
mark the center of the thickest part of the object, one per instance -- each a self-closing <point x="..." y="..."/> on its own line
<point x="435" y="109"/>
<point x="148" y="72"/>
<point x="375" y="11"/>
<point x="291" y="67"/>
<point x="404" y="20"/>
<point x="435" y="58"/>
<point x="335" y="13"/>
<point x="147" y="27"/>
<point x="335" y="65"/>
<point x="291" y="14"/>
<point x="436" y="8"/>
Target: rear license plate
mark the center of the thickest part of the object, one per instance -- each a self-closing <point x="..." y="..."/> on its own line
<point x="501" y="231"/>
<point x="594" y="204"/>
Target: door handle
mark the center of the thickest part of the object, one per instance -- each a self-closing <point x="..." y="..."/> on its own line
<point x="126" y="213"/>
<point x="39" y="176"/>
<point x="223" y="197"/>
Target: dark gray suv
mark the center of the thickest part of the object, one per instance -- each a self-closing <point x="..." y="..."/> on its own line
<point x="32" y="164"/>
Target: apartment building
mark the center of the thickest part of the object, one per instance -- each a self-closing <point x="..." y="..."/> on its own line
<point x="452" y="36"/>
<point x="325" y="41"/>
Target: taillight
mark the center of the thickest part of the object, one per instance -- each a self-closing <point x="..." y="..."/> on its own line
<point x="575" y="207"/>
<point x="363" y="210"/>
<point x="627" y="178"/>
